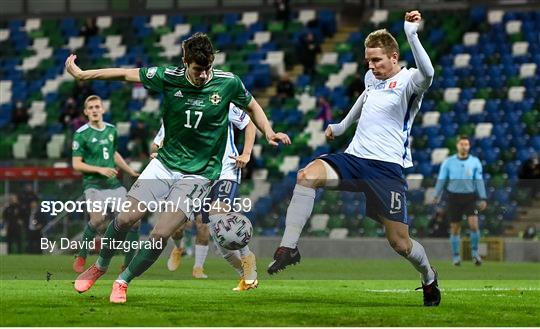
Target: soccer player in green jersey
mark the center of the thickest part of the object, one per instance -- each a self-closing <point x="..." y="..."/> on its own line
<point x="95" y="156"/>
<point x="195" y="118"/>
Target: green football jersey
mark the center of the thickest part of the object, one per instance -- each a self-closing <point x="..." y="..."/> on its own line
<point x="195" y="118"/>
<point x="97" y="148"/>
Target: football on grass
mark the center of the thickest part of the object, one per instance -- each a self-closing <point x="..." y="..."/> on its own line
<point x="232" y="231"/>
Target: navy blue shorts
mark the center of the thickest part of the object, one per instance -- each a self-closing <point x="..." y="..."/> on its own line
<point x="223" y="190"/>
<point x="382" y="182"/>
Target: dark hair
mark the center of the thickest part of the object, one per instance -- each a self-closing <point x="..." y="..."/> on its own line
<point x="462" y="137"/>
<point x="198" y="48"/>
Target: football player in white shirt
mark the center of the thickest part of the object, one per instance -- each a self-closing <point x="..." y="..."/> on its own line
<point x="243" y="260"/>
<point x="376" y="156"/>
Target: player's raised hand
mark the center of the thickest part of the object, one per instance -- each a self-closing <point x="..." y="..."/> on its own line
<point x="413" y="16"/>
<point x="329" y="133"/>
<point x="241" y="160"/>
<point x="72" y="68"/>
<point x="153" y="155"/>
<point x="108" y="172"/>
<point x="412" y="22"/>
<point x="276" y="138"/>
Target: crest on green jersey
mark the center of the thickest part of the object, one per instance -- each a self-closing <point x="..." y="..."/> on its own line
<point x="151" y="72"/>
<point x="215" y="98"/>
<point x="111" y="137"/>
<point x="75" y="145"/>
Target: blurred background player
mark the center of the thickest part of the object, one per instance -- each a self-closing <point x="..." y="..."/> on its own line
<point x="461" y="176"/>
<point x="200" y="251"/>
<point x="223" y="190"/>
<point x="374" y="161"/>
<point x="195" y="117"/>
<point x="95" y="156"/>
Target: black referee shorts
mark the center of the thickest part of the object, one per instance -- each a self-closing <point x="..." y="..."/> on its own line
<point x="461" y="205"/>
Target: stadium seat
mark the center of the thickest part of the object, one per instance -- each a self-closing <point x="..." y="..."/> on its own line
<point x="483" y="130"/>
<point x="516" y="94"/>
<point x="430" y="119"/>
<point x="103" y="22"/>
<point x="334" y="80"/>
<point x="495" y="16"/>
<point x="338" y="233"/>
<point x="527" y="70"/>
<point x="462" y="60"/>
<point x="379" y="16"/>
<point x="290" y="163"/>
<point x="112" y="41"/>
<point x="276" y="61"/>
<point x="260" y="174"/>
<point x="55" y="146"/>
<point x="123" y="128"/>
<point x="182" y="29"/>
<point x="75" y="43"/>
<point x="151" y="105"/>
<point x="37" y="119"/>
<point x="328" y="58"/>
<point x="249" y="18"/>
<point x="262" y="37"/>
<point x="513" y="27"/>
<point x="476" y="106"/>
<point x="257" y="149"/>
<point x="314" y="126"/>
<point x="22" y="146"/>
<point x="451" y="95"/>
<point x="136" y="165"/>
<point x="319" y="222"/>
<point x="414" y="181"/>
<point x="157" y="21"/>
<point x="306" y="15"/>
<point x="32" y="24"/>
<point x="439" y="155"/>
<point x="4" y="35"/>
<point x="520" y="48"/>
<point x="471" y="38"/>
<point x="307" y="102"/>
<point x="317" y="139"/>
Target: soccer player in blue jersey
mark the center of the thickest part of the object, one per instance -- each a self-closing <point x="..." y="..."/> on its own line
<point x="461" y="176"/>
<point x="374" y="160"/>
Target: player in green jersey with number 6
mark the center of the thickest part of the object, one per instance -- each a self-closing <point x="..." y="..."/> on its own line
<point x="95" y="156"/>
<point x="195" y="118"/>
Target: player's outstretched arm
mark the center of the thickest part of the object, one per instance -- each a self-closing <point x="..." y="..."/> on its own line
<point x="80" y="166"/>
<point x="130" y="75"/>
<point x="260" y="120"/>
<point x="354" y="114"/>
<point x="154" y="148"/>
<point x="480" y="186"/>
<point x="441" y="182"/>
<point x="424" y="76"/>
<point x="121" y="163"/>
<point x="157" y="143"/>
<point x="250" y="133"/>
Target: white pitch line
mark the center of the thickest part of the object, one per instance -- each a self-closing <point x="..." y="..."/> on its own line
<point x="454" y="289"/>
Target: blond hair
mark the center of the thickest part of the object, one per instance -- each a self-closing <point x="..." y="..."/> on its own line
<point x="384" y="40"/>
<point x="92" y="98"/>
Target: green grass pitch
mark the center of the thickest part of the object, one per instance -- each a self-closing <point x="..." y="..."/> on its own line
<point x="317" y="292"/>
